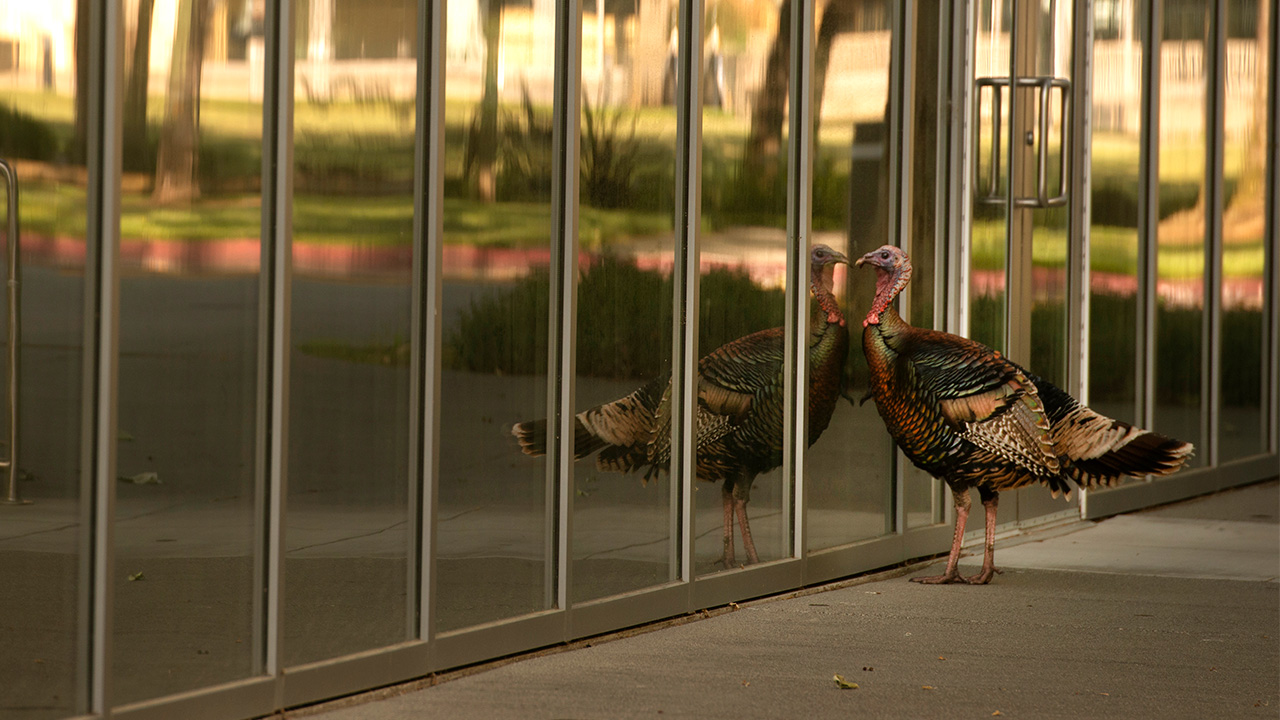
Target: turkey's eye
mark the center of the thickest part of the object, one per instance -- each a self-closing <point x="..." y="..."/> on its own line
<point x="884" y="254"/>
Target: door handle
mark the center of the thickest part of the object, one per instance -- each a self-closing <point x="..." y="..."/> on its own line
<point x="1044" y="87"/>
<point x="14" y="328"/>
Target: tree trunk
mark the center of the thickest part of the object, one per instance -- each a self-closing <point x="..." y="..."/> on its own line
<point x="764" y="139"/>
<point x="79" y="136"/>
<point x="487" y="137"/>
<point x="177" y="156"/>
<point x="135" y="102"/>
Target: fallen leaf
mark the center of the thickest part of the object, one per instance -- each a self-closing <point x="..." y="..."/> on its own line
<point x="926" y="687"/>
<point x="844" y="684"/>
<point x="136" y="576"/>
<point x="734" y="605"/>
<point x="994" y="714"/>
<point x="746" y="683"/>
<point x="941" y="658"/>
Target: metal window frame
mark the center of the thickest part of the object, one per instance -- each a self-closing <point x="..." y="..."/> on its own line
<point x="1271" y="231"/>
<point x="105" y="36"/>
<point x="685" y="279"/>
<point x="795" y="369"/>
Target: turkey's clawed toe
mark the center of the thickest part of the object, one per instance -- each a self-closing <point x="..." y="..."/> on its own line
<point x="948" y="579"/>
<point x="984" y="577"/>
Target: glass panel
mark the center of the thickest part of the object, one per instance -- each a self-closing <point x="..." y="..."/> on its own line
<point x="1180" y="235"/>
<point x="851" y="214"/>
<point x="186" y="527"/>
<point x="921" y="491"/>
<point x="989" y="238"/>
<point x="349" y="522"/>
<point x="42" y="137"/>
<point x="1049" y="244"/>
<point x="1241" y="426"/>
<point x="622" y="523"/>
<point x="743" y="264"/>
<point x="493" y="525"/>
<point x="1113" y="243"/>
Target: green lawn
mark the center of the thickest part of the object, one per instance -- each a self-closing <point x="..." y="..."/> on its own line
<point x="355" y="162"/>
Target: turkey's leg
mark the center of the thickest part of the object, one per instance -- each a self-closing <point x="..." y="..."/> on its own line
<point x="990" y="499"/>
<point x="726" y="494"/>
<point x="963" y="502"/>
<point x="747" y="543"/>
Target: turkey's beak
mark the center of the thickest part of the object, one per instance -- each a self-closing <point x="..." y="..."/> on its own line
<point x="837" y="256"/>
<point x="864" y="259"/>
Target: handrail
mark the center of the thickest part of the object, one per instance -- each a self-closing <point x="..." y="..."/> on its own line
<point x="10" y="466"/>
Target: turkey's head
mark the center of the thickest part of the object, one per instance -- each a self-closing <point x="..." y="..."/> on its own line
<point x="821" y="258"/>
<point x="893" y="271"/>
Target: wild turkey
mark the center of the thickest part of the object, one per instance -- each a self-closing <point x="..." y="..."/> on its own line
<point x="965" y="414"/>
<point x="739" y="418"/>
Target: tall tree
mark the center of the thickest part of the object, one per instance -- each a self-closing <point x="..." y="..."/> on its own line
<point x="178" y="152"/>
<point x="80" y="124"/>
<point x="486" y="152"/>
<point x="135" y="101"/>
<point x="764" y="139"/>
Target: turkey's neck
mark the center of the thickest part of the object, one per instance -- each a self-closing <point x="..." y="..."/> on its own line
<point x="888" y="285"/>
<point x="821" y="282"/>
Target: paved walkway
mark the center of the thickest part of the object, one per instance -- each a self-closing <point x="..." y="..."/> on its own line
<point x="1167" y="613"/>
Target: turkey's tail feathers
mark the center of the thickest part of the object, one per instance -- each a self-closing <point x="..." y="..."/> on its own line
<point x="1098" y="450"/>
<point x="622" y="431"/>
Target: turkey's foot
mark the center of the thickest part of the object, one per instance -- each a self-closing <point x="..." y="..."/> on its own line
<point x="946" y="579"/>
<point x="729" y="563"/>
<point x="984" y="577"/>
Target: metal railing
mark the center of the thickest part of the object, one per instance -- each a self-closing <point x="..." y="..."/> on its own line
<point x="10" y="465"/>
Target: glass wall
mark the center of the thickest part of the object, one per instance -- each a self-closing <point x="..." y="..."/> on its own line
<point x="624" y="513"/>
<point x="349" y="539"/>
<point x="852" y="51"/>
<point x="493" y="556"/>
<point x="43" y="126"/>
<point x="1241" y="417"/>
<point x="186" y="527"/>
<point x="1114" y="247"/>
<point x="1180" y="235"/>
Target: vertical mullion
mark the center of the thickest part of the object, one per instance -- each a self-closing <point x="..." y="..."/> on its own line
<point x="1271" y="337"/>
<point x="962" y="172"/>
<point x="945" y="190"/>
<point x="1079" y="123"/>
<point x="799" y="230"/>
<point x="564" y="291"/>
<point x="1212" y="313"/>
<point x="964" y="19"/>
<point x="102" y="321"/>
<point x="274" y="327"/>
<point x="1148" y="214"/>
<point x="901" y="84"/>
<point x="688" y="205"/>
<point x="425" y="320"/>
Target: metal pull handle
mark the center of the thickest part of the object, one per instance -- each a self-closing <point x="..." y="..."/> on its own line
<point x="10" y="465"/>
<point x="1045" y="87"/>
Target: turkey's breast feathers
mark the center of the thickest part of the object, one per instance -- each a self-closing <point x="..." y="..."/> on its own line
<point x="958" y="409"/>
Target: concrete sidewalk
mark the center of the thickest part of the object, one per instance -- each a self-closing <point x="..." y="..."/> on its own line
<point x="1168" y="613"/>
